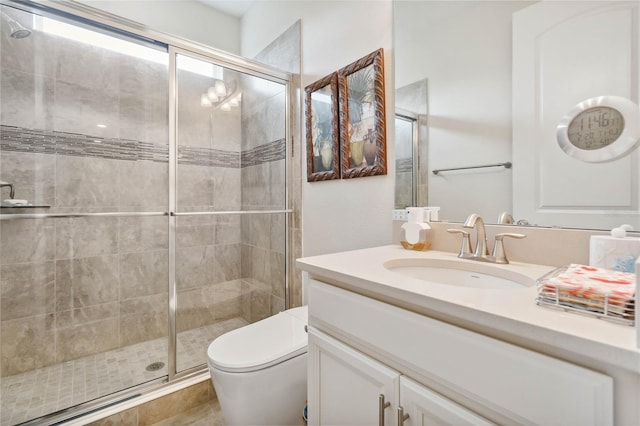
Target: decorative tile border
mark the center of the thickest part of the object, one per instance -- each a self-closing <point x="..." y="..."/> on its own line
<point x="62" y="143"/>
<point x="208" y="157"/>
<point x="268" y="152"/>
<point x="34" y="141"/>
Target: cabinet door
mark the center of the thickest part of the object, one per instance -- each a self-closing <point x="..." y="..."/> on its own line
<point x="426" y="407"/>
<point x="345" y="385"/>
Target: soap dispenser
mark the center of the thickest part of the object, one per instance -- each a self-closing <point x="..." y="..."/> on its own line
<point x="415" y="230"/>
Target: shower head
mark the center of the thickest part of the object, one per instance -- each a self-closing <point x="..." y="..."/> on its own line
<point x="16" y="29"/>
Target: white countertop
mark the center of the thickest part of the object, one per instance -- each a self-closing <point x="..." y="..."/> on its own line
<point x="511" y="312"/>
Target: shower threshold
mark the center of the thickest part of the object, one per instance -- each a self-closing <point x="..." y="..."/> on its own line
<point x="39" y="392"/>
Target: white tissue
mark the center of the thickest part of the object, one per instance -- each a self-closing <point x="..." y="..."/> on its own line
<point x="618" y="232"/>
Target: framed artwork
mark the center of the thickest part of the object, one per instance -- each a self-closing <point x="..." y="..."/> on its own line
<point x="323" y="137"/>
<point x="362" y="117"/>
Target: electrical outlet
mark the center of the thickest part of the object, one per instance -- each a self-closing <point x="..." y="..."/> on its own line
<point x="399" y="214"/>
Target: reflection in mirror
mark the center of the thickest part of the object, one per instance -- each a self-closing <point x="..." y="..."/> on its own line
<point x="501" y="76"/>
<point x="411" y="145"/>
<point x="406" y="140"/>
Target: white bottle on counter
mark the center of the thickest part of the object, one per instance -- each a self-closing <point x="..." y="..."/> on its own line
<point x="416" y="230"/>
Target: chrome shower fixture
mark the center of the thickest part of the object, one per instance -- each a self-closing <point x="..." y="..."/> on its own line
<point x="16" y="29"/>
<point x="12" y="191"/>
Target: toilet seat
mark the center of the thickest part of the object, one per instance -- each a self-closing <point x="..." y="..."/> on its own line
<point x="262" y="344"/>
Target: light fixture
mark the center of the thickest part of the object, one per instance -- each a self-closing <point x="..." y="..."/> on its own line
<point x="221" y="95"/>
<point x="102" y="126"/>
<point x="235" y="101"/>
<point x="220" y="88"/>
<point x="205" y="101"/>
<point x="212" y="95"/>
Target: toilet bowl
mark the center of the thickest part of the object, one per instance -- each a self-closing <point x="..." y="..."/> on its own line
<point x="259" y="371"/>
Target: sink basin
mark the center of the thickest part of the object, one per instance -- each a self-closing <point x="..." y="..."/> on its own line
<point x="461" y="273"/>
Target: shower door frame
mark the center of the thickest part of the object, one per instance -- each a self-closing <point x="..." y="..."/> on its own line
<point x="81" y="13"/>
<point x="174" y="51"/>
<point x="410" y="117"/>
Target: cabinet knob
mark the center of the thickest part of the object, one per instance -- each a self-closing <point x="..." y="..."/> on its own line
<point x="382" y="405"/>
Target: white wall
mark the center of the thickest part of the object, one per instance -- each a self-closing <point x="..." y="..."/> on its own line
<point x="184" y="18"/>
<point x="464" y="50"/>
<point x="341" y="214"/>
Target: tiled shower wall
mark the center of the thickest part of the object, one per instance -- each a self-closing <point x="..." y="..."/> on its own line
<point x="284" y="53"/>
<point x="73" y="287"/>
<point x="263" y="188"/>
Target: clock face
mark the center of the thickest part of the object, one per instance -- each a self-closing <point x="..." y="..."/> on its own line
<point x="600" y="129"/>
<point x="595" y="128"/>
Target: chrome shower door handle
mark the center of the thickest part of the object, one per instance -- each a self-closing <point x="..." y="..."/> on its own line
<point x="382" y="405"/>
<point x="401" y="416"/>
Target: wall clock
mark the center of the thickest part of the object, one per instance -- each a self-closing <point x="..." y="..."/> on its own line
<point x="600" y="129"/>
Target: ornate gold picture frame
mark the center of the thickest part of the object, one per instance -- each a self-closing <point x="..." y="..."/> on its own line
<point x="323" y="136"/>
<point x="362" y="117"/>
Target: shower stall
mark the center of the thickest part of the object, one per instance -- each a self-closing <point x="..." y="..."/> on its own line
<point x="149" y="211"/>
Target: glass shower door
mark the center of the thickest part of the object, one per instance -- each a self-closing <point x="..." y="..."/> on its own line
<point x="84" y="236"/>
<point x="230" y="219"/>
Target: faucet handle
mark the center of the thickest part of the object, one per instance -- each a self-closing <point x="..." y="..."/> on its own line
<point x="505" y="218"/>
<point x="498" y="248"/>
<point x="465" y="247"/>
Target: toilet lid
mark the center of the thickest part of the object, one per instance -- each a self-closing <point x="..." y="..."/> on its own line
<point x="261" y="344"/>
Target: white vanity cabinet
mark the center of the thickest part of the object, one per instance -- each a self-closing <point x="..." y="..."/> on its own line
<point x="438" y="373"/>
<point x="350" y="388"/>
<point x="425" y="407"/>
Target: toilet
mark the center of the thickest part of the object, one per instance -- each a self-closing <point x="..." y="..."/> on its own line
<point x="259" y="371"/>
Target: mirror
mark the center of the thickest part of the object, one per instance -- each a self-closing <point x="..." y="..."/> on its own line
<point x="490" y="82"/>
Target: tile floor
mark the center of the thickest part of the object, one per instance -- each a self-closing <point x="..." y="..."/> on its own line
<point x="207" y="414"/>
<point x="36" y="393"/>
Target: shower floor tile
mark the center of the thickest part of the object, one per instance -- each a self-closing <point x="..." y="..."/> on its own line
<point x="46" y="390"/>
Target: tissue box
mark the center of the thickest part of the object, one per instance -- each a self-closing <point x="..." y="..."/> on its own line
<point x="619" y="254"/>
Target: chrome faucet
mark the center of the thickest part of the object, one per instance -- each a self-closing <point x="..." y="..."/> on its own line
<point x="475" y="221"/>
<point x="12" y="191"/>
<point x="482" y="250"/>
